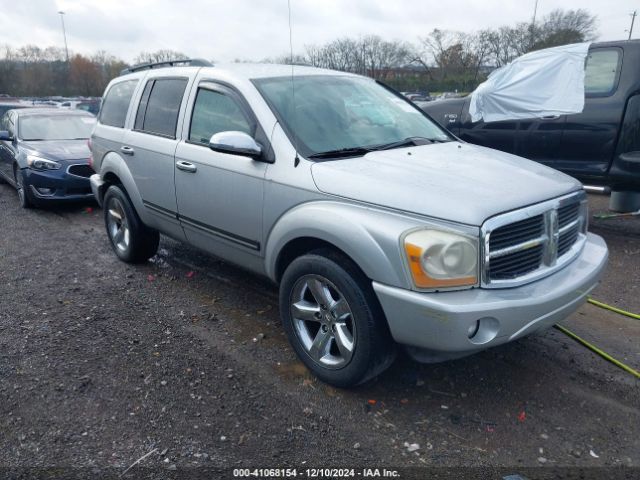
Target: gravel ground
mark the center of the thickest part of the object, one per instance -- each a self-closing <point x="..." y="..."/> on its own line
<point x="184" y="359"/>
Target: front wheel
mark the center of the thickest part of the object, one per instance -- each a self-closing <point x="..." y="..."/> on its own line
<point x="130" y="239"/>
<point x="24" y="197"/>
<point x="333" y="319"/>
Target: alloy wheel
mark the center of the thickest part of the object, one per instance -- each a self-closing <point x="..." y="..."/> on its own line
<point x="117" y="225"/>
<point x="323" y="321"/>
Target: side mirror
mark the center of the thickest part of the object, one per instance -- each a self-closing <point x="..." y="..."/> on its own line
<point x="235" y="143"/>
<point x="5" y="136"/>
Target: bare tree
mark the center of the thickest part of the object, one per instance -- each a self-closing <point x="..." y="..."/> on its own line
<point x="160" y="56"/>
<point x="561" y="27"/>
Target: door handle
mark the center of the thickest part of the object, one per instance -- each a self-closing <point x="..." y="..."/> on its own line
<point x="551" y="117"/>
<point x="186" y="166"/>
<point x="127" y="150"/>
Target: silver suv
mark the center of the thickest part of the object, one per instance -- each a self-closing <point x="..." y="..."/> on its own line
<point x="380" y="227"/>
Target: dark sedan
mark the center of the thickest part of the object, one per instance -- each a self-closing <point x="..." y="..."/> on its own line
<point x="45" y="156"/>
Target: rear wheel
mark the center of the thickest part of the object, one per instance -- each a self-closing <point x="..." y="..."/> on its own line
<point x="24" y="196"/>
<point x="131" y="240"/>
<point x="333" y="319"/>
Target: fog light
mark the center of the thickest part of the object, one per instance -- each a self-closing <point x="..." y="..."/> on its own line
<point x="44" y="191"/>
<point x="483" y="330"/>
<point x="473" y="329"/>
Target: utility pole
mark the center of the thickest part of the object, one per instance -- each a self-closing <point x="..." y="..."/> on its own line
<point x="633" y="19"/>
<point x="64" y="34"/>
<point x="533" y="23"/>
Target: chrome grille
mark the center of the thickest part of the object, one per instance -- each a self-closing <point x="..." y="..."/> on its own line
<point x="527" y="244"/>
<point x="569" y="227"/>
<point x="517" y="232"/>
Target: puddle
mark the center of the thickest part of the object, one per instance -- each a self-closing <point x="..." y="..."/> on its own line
<point x="294" y="371"/>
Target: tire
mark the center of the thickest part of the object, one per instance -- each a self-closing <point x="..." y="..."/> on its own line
<point x="333" y="319"/>
<point x="131" y="240"/>
<point x="24" y="196"/>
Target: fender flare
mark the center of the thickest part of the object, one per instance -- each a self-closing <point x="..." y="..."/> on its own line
<point x="113" y="163"/>
<point x="369" y="237"/>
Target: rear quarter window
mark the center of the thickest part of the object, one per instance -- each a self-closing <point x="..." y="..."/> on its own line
<point x="116" y="103"/>
<point x="602" y="72"/>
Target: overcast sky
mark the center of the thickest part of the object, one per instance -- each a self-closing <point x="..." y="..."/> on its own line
<point x="224" y="30"/>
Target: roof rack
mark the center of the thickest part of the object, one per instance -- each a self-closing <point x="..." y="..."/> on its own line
<point x="189" y="62"/>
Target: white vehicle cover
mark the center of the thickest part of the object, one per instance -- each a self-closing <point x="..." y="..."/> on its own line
<point x="538" y="84"/>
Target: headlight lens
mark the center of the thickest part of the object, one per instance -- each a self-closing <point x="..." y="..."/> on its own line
<point x="39" y="163"/>
<point x="440" y="259"/>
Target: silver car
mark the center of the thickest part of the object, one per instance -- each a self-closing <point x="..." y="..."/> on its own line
<point x="380" y="227"/>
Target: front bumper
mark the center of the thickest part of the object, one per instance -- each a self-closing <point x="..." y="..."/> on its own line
<point x="97" y="186"/>
<point x="56" y="185"/>
<point x="439" y="324"/>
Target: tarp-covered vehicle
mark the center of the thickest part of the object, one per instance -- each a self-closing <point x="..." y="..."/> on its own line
<point x="600" y="145"/>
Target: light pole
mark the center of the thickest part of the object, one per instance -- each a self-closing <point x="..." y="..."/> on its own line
<point x="533" y="23"/>
<point x="64" y="34"/>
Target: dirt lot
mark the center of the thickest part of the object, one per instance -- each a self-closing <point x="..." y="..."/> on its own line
<point x="102" y="363"/>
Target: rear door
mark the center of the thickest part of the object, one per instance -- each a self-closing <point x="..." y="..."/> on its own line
<point x="149" y="148"/>
<point x="589" y="138"/>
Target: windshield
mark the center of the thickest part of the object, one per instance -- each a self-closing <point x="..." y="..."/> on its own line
<point x="334" y="113"/>
<point x="55" y="127"/>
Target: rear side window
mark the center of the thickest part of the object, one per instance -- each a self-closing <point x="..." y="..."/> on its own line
<point x="602" y="71"/>
<point x="160" y="105"/>
<point x="116" y="103"/>
<point x="216" y="112"/>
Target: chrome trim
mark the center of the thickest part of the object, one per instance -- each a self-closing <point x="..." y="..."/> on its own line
<point x="571" y="225"/>
<point x="516" y="248"/>
<point x="596" y="189"/>
<point x="550" y="252"/>
<point x="550" y="260"/>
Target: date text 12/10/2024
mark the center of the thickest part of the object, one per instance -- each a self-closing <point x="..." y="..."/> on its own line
<point x="264" y="473"/>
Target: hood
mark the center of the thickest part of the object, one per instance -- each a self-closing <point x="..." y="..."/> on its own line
<point x="59" y="149"/>
<point x="454" y="181"/>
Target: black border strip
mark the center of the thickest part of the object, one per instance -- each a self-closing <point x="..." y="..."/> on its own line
<point x="245" y="242"/>
<point x="162" y="211"/>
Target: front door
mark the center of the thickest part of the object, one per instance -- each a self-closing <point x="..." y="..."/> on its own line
<point x="219" y="195"/>
<point x="589" y="138"/>
<point x="540" y="138"/>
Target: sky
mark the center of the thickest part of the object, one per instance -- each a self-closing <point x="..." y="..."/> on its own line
<point x="226" y="30"/>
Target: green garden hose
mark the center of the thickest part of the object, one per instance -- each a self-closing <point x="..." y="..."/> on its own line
<point x="613" y="309"/>
<point x="595" y="349"/>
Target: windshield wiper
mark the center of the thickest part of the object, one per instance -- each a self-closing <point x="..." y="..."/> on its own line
<point x="343" y="152"/>
<point x="408" y="142"/>
<point x="357" y="151"/>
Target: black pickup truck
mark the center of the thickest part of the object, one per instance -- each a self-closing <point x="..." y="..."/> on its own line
<point x="600" y="146"/>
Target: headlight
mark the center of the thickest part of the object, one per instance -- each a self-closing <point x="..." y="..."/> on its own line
<point x="439" y="259"/>
<point x="39" y="163"/>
